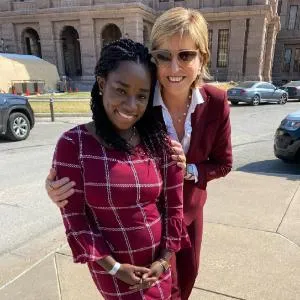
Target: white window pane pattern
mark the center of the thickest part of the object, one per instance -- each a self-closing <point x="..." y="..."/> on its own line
<point x="223" y="39"/>
<point x="293" y="17"/>
<point x="297" y="61"/>
<point x="287" y="60"/>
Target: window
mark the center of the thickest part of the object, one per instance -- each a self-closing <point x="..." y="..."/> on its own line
<point x="266" y="86"/>
<point x="222" y="58"/>
<point x="297" y="61"/>
<point x="287" y="60"/>
<point x="293" y="17"/>
<point x="279" y="7"/>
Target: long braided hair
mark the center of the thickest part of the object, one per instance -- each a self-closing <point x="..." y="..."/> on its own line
<point x="151" y="131"/>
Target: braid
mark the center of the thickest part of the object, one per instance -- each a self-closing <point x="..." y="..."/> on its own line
<point x="151" y="131"/>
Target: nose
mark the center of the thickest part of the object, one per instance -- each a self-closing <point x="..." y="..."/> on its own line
<point x="174" y="64"/>
<point x="131" y="104"/>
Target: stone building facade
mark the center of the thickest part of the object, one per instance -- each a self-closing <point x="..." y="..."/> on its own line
<point x="71" y="33"/>
<point x="286" y="65"/>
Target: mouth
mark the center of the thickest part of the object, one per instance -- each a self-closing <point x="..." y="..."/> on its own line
<point x="175" y="79"/>
<point x="126" y="116"/>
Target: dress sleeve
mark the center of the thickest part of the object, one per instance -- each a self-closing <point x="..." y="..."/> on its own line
<point x="175" y="234"/>
<point x="86" y="242"/>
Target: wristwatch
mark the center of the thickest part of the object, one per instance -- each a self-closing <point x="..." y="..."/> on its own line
<point x="189" y="172"/>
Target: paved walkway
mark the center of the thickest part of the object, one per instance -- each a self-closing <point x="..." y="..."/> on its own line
<point x="250" y="248"/>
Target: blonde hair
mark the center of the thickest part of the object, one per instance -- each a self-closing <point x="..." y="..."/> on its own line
<point x="183" y="21"/>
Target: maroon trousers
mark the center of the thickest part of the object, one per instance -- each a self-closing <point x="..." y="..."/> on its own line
<point x="185" y="264"/>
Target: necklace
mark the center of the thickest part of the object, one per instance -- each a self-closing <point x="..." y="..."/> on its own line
<point x="180" y="117"/>
<point x="132" y="135"/>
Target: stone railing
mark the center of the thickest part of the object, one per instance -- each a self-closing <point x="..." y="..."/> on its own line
<point x="66" y="3"/>
<point x="26" y="6"/>
<point x="145" y="2"/>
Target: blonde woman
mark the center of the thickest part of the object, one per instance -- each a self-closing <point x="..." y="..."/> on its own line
<point x="196" y="116"/>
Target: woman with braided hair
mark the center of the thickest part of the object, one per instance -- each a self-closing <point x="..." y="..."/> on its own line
<point x="125" y="218"/>
<point x="196" y="117"/>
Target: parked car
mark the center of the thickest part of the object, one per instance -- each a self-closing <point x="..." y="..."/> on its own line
<point x="16" y="117"/>
<point x="287" y="138"/>
<point x="255" y="92"/>
<point x="293" y="89"/>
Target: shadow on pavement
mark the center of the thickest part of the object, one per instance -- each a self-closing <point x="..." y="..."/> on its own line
<point x="273" y="167"/>
<point x="5" y="140"/>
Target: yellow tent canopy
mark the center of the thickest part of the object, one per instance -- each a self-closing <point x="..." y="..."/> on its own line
<point x="26" y="71"/>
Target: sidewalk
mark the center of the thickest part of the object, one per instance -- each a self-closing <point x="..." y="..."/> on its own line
<point x="250" y="248"/>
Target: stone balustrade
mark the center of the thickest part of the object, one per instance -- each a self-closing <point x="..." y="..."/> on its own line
<point x="26" y="6"/>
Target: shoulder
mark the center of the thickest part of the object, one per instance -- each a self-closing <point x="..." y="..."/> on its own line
<point x="212" y="93"/>
<point x="71" y="136"/>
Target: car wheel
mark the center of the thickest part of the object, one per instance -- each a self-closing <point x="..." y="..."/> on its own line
<point x="18" y="127"/>
<point x="256" y="100"/>
<point x="234" y="102"/>
<point x="283" y="99"/>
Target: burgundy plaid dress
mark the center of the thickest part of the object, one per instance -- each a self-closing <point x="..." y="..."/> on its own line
<point x="114" y="210"/>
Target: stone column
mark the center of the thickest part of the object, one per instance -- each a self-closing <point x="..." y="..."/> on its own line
<point x="214" y="51"/>
<point x="269" y="54"/>
<point x="237" y="37"/>
<point x="47" y="41"/>
<point x="9" y="37"/>
<point x="255" y="49"/>
<point x="88" y="48"/>
<point x="59" y="56"/>
<point x="133" y="26"/>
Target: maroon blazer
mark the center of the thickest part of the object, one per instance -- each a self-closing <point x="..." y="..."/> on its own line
<point x="210" y="149"/>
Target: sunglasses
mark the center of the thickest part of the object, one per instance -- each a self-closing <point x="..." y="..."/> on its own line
<point x="164" y="57"/>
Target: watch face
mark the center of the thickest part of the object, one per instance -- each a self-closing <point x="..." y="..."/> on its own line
<point x="190" y="169"/>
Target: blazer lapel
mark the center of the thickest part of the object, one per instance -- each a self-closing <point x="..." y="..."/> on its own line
<point x="198" y="122"/>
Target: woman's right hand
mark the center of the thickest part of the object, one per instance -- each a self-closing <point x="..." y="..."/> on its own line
<point x="60" y="190"/>
<point x="131" y="274"/>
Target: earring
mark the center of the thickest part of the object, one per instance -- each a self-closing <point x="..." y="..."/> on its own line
<point x="100" y="93"/>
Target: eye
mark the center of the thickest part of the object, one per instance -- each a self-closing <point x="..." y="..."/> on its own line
<point x="142" y="97"/>
<point x="120" y="91"/>
<point x="187" y="56"/>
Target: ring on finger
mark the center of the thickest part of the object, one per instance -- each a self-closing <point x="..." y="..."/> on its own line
<point x="50" y="186"/>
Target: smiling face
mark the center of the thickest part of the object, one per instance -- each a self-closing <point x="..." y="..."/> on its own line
<point x="126" y="93"/>
<point x="178" y="76"/>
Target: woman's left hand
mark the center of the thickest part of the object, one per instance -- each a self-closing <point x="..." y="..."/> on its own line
<point x="178" y="155"/>
<point x="148" y="279"/>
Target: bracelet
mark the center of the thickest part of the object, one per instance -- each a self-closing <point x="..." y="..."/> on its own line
<point x="114" y="269"/>
<point x="164" y="264"/>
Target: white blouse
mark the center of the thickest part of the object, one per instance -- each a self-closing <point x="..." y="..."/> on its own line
<point x="186" y="140"/>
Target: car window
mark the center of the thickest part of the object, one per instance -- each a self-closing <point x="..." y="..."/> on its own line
<point x="266" y="86"/>
<point x="246" y="84"/>
<point x="293" y="83"/>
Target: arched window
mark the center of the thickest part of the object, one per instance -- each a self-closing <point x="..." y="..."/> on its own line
<point x="71" y="51"/>
<point x="31" y="42"/>
<point x="110" y="33"/>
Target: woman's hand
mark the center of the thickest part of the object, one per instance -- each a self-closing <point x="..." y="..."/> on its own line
<point x="178" y="155"/>
<point x="131" y="274"/>
<point x="59" y="190"/>
<point x="149" y="278"/>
